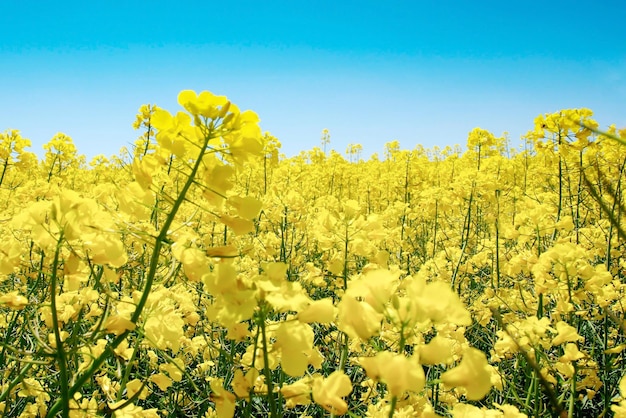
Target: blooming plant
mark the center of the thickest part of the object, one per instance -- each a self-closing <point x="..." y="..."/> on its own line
<point x="201" y="273"/>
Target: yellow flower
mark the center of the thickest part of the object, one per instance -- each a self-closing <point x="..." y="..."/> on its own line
<point x="106" y="249"/>
<point x="295" y="342"/>
<point x="358" y="319"/>
<point x="244" y="139"/>
<point x="87" y="408"/>
<point x="52" y="338"/>
<point x="321" y="311"/>
<point x="217" y="177"/>
<point x="165" y="329"/>
<point x="10" y="255"/>
<point x="461" y="410"/>
<point x="297" y="393"/>
<point x="571" y="353"/>
<point x="510" y="411"/>
<point x="195" y="263"/>
<point x="239" y="226"/>
<point x="32" y="387"/>
<point x="398" y="372"/>
<point x="175" y="133"/>
<point x="135" y="386"/>
<point x="131" y="411"/>
<point x="205" y="104"/>
<point x="375" y="287"/>
<point x="14" y="300"/>
<point x="223" y="399"/>
<point x="328" y="392"/>
<point x="247" y="207"/>
<point x="566" y="369"/>
<point x="566" y="333"/>
<point x="238" y="332"/>
<point x="136" y="199"/>
<point x="435" y="301"/>
<point x="620" y="409"/>
<point x="161" y="380"/>
<point x="174" y="369"/>
<point x="243" y="384"/>
<point x="615" y="350"/>
<point x="438" y="351"/>
<point x="473" y="375"/>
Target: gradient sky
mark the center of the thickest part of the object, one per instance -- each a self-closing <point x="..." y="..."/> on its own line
<point x="421" y="72"/>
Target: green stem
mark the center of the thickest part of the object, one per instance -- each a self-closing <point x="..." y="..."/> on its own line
<point x="560" y="204"/>
<point x="344" y="337"/>
<point x="606" y="368"/>
<point x="265" y="174"/>
<point x="129" y="366"/>
<point x="343" y="359"/>
<point x="60" y="354"/>
<point x="156" y="253"/>
<point x="266" y="367"/>
<point x="497" y="240"/>
<point x="435" y="228"/>
<point x="465" y="238"/>
<point x="248" y="409"/>
<point x="4" y="170"/>
<point x="154" y="261"/>
<point x="572" y="399"/>
<point x="401" y="345"/>
<point x="394" y="400"/>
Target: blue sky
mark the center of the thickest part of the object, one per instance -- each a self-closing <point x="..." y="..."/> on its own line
<point x="421" y="72"/>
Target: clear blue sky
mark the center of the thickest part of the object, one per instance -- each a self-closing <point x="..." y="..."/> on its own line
<point x="421" y="72"/>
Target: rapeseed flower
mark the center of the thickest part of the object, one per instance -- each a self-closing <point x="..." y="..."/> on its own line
<point x="398" y="372"/>
<point x="472" y="375"/>
<point x="328" y="392"/>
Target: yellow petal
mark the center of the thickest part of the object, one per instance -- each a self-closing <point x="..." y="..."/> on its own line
<point x="247" y="207"/>
<point x="321" y="311"/>
<point x="117" y="324"/>
<point x="328" y="392"/>
<point x="226" y="251"/>
<point x="437" y="351"/>
<point x="358" y="319"/>
<point x="238" y="225"/>
<point x="294" y="340"/>
<point x="399" y="373"/>
<point x="161" y="380"/>
<point x="472" y="374"/>
<point x="14" y="301"/>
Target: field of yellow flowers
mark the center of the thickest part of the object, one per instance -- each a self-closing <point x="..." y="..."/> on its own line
<point x="201" y="274"/>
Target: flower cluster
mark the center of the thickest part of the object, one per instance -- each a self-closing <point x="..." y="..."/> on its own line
<point x="201" y="273"/>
